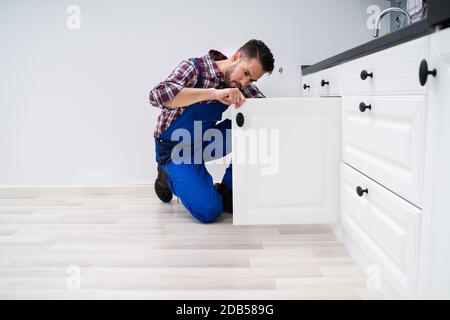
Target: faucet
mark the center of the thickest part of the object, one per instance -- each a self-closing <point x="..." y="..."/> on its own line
<point x="383" y="13"/>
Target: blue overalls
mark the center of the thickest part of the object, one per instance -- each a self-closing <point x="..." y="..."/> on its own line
<point x="191" y="182"/>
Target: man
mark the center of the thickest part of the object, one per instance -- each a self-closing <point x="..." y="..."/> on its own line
<point x="194" y="96"/>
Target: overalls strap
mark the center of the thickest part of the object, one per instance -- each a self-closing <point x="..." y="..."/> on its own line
<point x="207" y="113"/>
<point x="199" y="83"/>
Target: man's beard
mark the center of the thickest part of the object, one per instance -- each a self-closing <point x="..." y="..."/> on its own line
<point x="227" y="80"/>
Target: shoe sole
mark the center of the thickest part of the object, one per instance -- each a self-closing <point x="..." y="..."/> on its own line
<point x="164" y="194"/>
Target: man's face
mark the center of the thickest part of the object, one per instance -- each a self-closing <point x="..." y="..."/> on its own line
<point x="242" y="71"/>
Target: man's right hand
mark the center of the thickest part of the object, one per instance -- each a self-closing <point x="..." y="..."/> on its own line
<point x="229" y="96"/>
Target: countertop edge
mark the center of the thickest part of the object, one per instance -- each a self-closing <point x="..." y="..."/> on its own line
<point x="409" y="33"/>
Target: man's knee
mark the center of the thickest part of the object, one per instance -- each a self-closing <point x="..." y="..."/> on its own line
<point x="209" y="211"/>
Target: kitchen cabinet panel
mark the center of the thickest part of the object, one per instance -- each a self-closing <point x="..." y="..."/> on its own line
<point x="329" y="82"/>
<point x="390" y="71"/>
<point x="435" y="253"/>
<point x="301" y="183"/>
<point x="384" y="226"/>
<point x="386" y="142"/>
<point x="310" y="86"/>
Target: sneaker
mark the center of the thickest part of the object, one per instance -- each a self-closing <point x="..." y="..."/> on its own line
<point x="161" y="187"/>
<point x="227" y="197"/>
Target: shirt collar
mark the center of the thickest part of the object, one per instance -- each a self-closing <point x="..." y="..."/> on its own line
<point x="215" y="55"/>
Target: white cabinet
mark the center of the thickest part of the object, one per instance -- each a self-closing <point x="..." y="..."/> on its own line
<point x="386" y="142"/>
<point x="385" y="226"/>
<point x="383" y="140"/>
<point x="391" y="71"/>
<point x="286" y="161"/>
<point x="435" y="251"/>
<point x="394" y="143"/>
<point x="325" y="83"/>
<point x="310" y="86"/>
<point x="329" y="81"/>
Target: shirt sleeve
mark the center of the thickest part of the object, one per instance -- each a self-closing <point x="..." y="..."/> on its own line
<point x="184" y="75"/>
<point x="252" y="91"/>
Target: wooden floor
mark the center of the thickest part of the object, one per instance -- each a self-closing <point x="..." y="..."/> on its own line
<point x="131" y="246"/>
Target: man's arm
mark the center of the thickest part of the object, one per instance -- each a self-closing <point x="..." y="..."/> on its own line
<point x="188" y="96"/>
<point x="183" y="76"/>
<point x="177" y="90"/>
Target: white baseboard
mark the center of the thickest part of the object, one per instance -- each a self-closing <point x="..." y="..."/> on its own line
<point x="337" y="230"/>
<point x="141" y="189"/>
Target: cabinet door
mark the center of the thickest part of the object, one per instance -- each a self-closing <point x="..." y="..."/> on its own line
<point x="329" y="81"/>
<point x="286" y="155"/>
<point x="392" y="71"/>
<point x="310" y="87"/>
<point x="386" y="142"/>
<point x="435" y="252"/>
<point x="384" y="226"/>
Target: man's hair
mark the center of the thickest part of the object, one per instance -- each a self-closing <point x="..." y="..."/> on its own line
<point x="257" y="49"/>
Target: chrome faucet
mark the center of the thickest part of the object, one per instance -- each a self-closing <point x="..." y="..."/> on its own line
<point x="386" y="11"/>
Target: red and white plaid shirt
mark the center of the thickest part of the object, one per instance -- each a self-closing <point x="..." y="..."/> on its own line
<point x="185" y="75"/>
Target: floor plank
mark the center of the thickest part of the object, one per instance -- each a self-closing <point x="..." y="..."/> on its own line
<point x="131" y="246"/>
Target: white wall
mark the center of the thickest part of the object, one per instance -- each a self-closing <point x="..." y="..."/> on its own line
<point x="74" y="103"/>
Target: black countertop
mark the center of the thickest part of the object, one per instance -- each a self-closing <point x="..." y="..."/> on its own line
<point x="408" y="33"/>
<point x="438" y="13"/>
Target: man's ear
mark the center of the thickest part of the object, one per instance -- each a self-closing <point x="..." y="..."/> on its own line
<point x="236" y="56"/>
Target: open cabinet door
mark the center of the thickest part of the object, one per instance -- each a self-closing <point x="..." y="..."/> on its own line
<point x="295" y="177"/>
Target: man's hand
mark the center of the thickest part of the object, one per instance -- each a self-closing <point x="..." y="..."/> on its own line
<point x="229" y="96"/>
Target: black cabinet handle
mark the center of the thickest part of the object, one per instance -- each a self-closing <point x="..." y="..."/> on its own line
<point x="360" y="191"/>
<point x="323" y="83"/>
<point x="363" y="107"/>
<point x="240" y="119"/>
<point x="365" y="74"/>
<point x="424" y="72"/>
<point x="306" y="86"/>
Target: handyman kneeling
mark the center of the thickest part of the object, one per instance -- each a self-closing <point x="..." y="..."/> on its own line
<point x="192" y="100"/>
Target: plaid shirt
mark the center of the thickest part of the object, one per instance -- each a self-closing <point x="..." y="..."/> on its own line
<point x="185" y="75"/>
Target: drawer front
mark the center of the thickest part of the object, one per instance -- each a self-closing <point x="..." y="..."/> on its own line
<point x="395" y="71"/>
<point x="309" y="85"/>
<point x="385" y="227"/>
<point x="387" y="141"/>
<point x="329" y="81"/>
